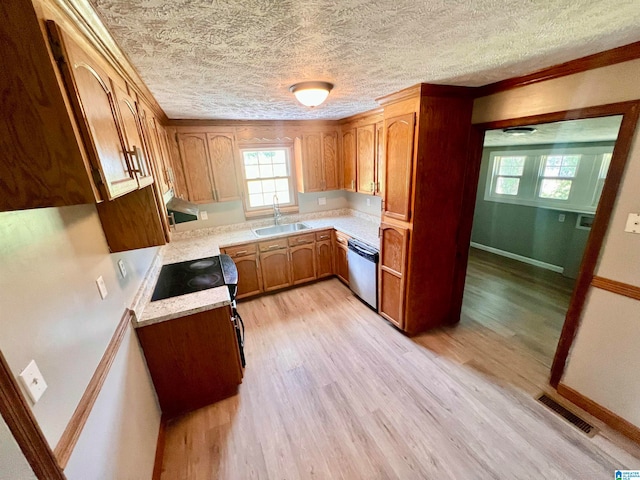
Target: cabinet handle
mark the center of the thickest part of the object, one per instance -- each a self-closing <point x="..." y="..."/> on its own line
<point x="136" y="152"/>
<point x="240" y="252"/>
<point x="323" y="237"/>
<point x="353" y="184"/>
<point x="273" y="246"/>
<point x="373" y="187"/>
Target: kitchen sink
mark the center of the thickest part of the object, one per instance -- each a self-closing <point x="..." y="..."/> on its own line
<point x="278" y="229"/>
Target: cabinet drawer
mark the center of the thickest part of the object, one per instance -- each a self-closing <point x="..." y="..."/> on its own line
<point x="275" y="244"/>
<point x="342" y="238"/>
<point x="324" y="235"/>
<point x="241" y="250"/>
<point x="301" y="239"/>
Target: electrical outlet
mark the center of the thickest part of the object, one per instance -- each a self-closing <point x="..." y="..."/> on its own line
<point x="123" y="269"/>
<point x="102" y="288"/>
<point x="561" y="217"/>
<point x="204" y="215"/>
<point x="322" y="200"/>
<point x="633" y="223"/>
<point x="33" y="381"/>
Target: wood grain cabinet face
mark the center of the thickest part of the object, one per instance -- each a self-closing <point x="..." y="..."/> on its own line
<point x="276" y="269"/>
<point x="398" y="166"/>
<point x="366" y="156"/>
<point x="303" y="263"/>
<point x="195" y="156"/>
<point x="324" y="263"/>
<point x="394" y="244"/>
<point x="349" y="154"/>
<point x="223" y="166"/>
<point x="94" y="104"/>
<point x="317" y="162"/>
<point x="379" y="169"/>
<point x="248" y="265"/>
<point x="341" y="267"/>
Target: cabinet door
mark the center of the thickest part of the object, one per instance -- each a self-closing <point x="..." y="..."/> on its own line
<point x="349" y="156"/>
<point x="195" y="158"/>
<point x="222" y="154"/>
<point x="131" y="126"/>
<point x="249" y="278"/>
<point x="331" y="165"/>
<point x="303" y="263"/>
<point x="152" y="146"/>
<point x="394" y="243"/>
<point x="312" y="170"/>
<point x="342" y="263"/>
<point x="398" y="166"/>
<point x="324" y="266"/>
<point x="365" y="138"/>
<point x="276" y="269"/>
<point x="379" y="169"/>
<point x="93" y="102"/>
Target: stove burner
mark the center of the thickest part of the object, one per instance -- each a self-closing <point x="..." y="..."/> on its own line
<point x="201" y="282"/>
<point x="201" y="264"/>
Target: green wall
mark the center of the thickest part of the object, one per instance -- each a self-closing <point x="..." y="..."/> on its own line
<point x="530" y="232"/>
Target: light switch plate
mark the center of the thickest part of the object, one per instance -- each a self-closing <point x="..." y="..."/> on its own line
<point x="102" y="288"/>
<point x="122" y="268"/>
<point x="633" y="223"/>
<point x="204" y="215"/>
<point x="33" y="381"/>
<point x="562" y="217"/>
<point x="322" y="201"/>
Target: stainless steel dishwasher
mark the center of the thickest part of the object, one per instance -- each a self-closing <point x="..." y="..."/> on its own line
<point x="363" y="272"/>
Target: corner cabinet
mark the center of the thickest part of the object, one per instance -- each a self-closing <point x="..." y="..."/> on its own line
<point x="317" y="162"/>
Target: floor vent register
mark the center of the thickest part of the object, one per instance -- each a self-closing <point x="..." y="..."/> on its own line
<point x="569" y="416"/>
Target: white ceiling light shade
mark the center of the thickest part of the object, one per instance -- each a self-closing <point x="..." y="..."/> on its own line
<point x="519" y="131"/>
<point x="311" y="94"/>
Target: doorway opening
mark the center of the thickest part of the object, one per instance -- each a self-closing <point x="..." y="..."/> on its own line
<point x="537" y="200"/>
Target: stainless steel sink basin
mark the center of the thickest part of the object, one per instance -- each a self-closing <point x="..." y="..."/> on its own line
<point x="278" y="229"/>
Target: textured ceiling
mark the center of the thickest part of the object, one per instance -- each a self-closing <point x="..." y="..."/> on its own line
<point x="236" y="59"/>
<point x="571" y="131"/>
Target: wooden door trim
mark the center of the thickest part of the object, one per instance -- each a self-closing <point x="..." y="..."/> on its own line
<point x="72" y="432"/>
<point x="630" y="111"/>
<point x="25" y="428"/>
<point x="613" y="286"/>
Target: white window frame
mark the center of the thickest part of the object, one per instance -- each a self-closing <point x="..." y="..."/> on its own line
<point x="584" y="194"/>
<point x="290" y="206"/>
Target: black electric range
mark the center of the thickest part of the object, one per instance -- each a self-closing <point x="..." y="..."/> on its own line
<point x="194" y="275"/>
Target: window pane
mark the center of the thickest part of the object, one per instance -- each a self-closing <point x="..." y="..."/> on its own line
<point x="569" y="172"/>
<point x="250" y="158"/>
<point x="554" y="161"/>
<point x="252" y="172"/>
<point x="269" y="186"/>
<point x="266" y="171"/>
<point x="256" y="200"/>
<point x="556" y="189"/>
<point x="279" y="157"/>
<point x="570" y="160"/>
<point x="266" y="157"/>
<point x="551" y="171"/>
<point x="512" y="166"/>
<point x="283" y="196"/>
<point x="282" y="184"/>
<point x="507" y="186"/>
<point x="254" y="187"/>
<point x="280" y="170"/>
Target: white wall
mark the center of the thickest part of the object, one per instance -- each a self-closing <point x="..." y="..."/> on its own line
<point x="365" y="203"/>
<point x="13" y="464"/>
<point x="603" y="363"/>
<point x="51" y="310"/>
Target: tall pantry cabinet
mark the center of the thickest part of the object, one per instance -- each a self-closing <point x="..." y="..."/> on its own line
<point x="426" y="130"/>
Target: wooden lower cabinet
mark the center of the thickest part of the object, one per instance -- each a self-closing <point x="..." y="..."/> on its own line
<point x="248" y="265"/>
<point x="303" y="263"/>
<point x="394" y="244"/>
<point x="276" y="271"/>
<point x="341" y="262"/>
<point x="324" y="263"/>
<point x="193" y="361"/>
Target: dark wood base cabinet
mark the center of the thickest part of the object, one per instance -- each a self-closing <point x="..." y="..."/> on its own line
<point x="193" y="361"/>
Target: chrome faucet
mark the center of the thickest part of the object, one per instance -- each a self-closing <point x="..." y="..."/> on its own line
<point x="277" y="216"/>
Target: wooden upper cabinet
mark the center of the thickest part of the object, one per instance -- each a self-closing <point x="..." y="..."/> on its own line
<point x="366" y="156"/>
<point x="349" y="158"/>
<point x="154" y="153"/>
<point x="222" y="157"/>
<point x="394" y="245"/>
<point x="398" y="166"/>
<point x="195" y="157"/>
<point x="379" y="168"/>
<point x="94" y="104"/>
<point x="317" y="162"/>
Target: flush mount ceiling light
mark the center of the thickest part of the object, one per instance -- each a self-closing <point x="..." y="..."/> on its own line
<point x="519" y="131"/>
<point x="311" y="94"/>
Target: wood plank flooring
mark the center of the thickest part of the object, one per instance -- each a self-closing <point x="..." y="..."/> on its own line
<point x="331" y="390"/>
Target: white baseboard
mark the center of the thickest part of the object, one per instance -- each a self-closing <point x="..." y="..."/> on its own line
<point x="520" y="258"/>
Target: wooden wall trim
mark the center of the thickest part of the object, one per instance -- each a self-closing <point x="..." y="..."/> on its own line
<point x="607" y="416"/>
<point x="79" y="418"/>
<point x="630" y="110"/>
<point x="614" y="286"/>
<point x="24" y="427"/>
<point x="590" y="62"/>
<point x="157" y="465"/>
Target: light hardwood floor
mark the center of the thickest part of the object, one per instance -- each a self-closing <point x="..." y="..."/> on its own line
<point x="331" y="390"/>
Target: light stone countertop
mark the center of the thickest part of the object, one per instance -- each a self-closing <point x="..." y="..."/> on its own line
<point x="195" y="244"/>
